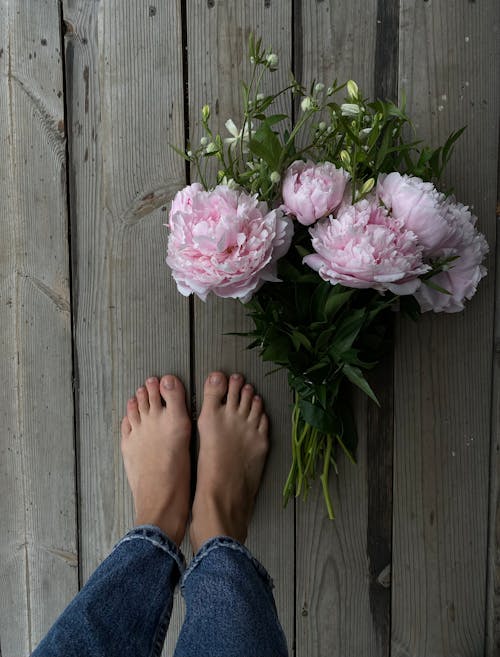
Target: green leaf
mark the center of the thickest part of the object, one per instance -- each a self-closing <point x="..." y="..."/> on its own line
<point x="348" y="330"/>
<point x="355" y="376"/>
<point x="336" y="299"/>
<point x="317" y="417"/>
<point x="299" y="339"/>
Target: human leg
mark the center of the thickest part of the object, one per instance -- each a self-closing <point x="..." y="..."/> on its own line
<point x="230" y="609"/>
<point x="125" y="606"/>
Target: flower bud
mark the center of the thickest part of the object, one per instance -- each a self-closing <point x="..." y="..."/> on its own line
<point x="205" y="112"/>
<point x="306" y="104"/>
<point x="322" y="126"/>
<point x="252" y="60"/>
<point x="349" y="109"/>
<point x="204" y="141"/>
<point x="189" y="153"/>
<point x="345" y="159"/>
<point x="319" y="87"/>
<point x="367" y="186"/>
<point x="211" y="148"/>
<point x="275" y="177"/>
<point x="329" y="91"/>
<point x="259" y="97"/>
<point x="352" y="90"/>
<point x="272" y="60"/>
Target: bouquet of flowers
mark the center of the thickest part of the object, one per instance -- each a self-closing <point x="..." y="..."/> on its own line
<point x="322" y="226"/>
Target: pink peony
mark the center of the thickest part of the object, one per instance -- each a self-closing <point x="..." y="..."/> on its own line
<point x="224" y="241"/>
<point x="418" y="205"/>
<point x="364" y="247"/>
<point x="312" y="191"/>
<point x="463" y="274"/>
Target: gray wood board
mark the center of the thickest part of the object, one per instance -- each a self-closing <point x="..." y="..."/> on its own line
<point x="38" y="574"/>
<point x="217" y="35"/>
<point x="443" y="364"/>
<point x="342" y="575"/>
<point x="124" y="84"/>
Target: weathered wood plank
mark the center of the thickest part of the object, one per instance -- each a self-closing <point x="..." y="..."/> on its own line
<point x="343" y="567"/>
<point x="124" y="81"/>
<point x="38" y="557"/>
<point x="443" y="368"/>
<point x="492" y="643"/>
<point x="217" y="34"/>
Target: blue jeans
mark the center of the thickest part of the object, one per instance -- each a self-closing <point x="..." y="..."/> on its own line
<point x="124" y="608"/>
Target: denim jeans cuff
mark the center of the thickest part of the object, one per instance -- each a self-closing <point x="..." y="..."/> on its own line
<point x="229" y="543"/>
<point x="159" y="539"/>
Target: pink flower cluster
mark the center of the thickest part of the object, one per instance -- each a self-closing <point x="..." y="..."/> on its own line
<point x="224" y="241"/>
<point x="391" y="238"/>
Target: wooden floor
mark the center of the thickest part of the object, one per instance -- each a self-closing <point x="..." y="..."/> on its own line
<point x="91" y="94"/>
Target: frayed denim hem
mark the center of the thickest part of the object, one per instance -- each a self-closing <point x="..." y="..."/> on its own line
<point x="156" y="537"/>
<point x="230" y="544"/>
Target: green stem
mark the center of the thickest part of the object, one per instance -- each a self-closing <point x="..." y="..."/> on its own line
<point x="324" y="478"/>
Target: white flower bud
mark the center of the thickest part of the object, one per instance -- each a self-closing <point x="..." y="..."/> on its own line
<point x="319" y="87"/>
<point x="204" y="141"/>
<point x="322" y="126"/>
<point x="306" y="103"/>
<point x="272" y="60"/>
<point x="349" y="109"/>
<point x="205" y="112"/>
<point x="352" y="90"/>
<point x="259" y="97"/>
<point x="252" y="60"/>
<point x="211" y="148"/>
<point x="329" y="91"/>
<point x="275" y="177"/>
<point x="189" y="153"/>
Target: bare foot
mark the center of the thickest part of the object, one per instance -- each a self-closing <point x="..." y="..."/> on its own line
<point x="233" y="450"/>
<point x="155" y="448"/>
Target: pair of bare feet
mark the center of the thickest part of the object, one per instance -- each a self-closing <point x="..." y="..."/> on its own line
<point x="234" y="443"/>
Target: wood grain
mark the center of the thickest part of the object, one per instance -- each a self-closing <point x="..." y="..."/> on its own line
<point x="492" y="645"/>
<point x="343" y="567"/>
<point x="443" y="368"/>
<point x="124" y="81"/>
<point x="38" y="557"/>
<point x="217" y="36"/>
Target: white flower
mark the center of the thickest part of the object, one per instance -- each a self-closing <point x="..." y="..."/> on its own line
<point x="349" y="109"/>
<point x="272" y="60"/>
<point x="275" y="177"/>
<point x="306" y="103"/>
<point x="211" y="148"/>
<point x="233" y="141"/>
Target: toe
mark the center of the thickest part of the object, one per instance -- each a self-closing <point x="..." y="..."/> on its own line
<point x="133" y="412"/>
<point x="126" y="427"/>
<point x="246" y="399"/>
<point x="263" y="427"/>
<point x="256" y="410"/>
<point x="172" y="391"/>
<point x="153" y="388"/>
<point x="142" y="399"/>
<point x="214" y="391"/>
<point x="233" y="394"/>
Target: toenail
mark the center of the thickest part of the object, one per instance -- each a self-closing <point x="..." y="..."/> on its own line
<point x="248" y="387"/>
<point x="236" y="377"/>
<point x="169" y="383"/>
<point x="151" y="380"/>
<point x="256" y="398"/>
<point x="215" y="379"/>
<point x="131" y="400"/>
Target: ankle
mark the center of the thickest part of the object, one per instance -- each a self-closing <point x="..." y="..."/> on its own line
<point x="213" y="518"/>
